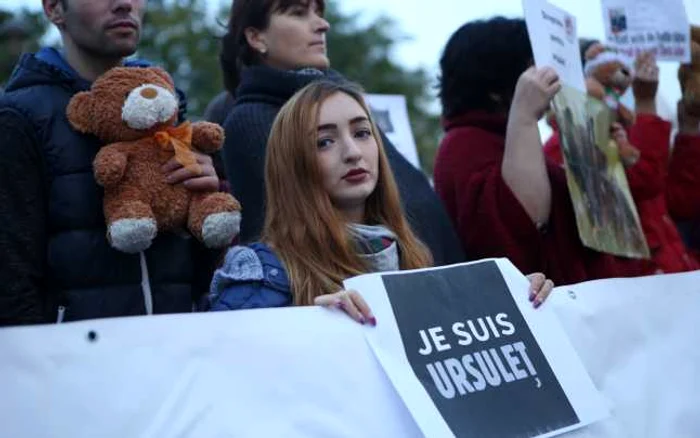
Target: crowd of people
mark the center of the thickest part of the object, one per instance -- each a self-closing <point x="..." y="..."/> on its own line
<point x="325" y="195"/>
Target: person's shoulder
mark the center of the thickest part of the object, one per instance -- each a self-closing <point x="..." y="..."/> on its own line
<point x="251" y="276"/>
<point x="250" y="120"/>
<point x="218" y="108"/>
<point x="253" y="262"/>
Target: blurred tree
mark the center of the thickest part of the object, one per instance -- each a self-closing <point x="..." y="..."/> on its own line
<point x="178" y="36"/>
<point x="182" y="38"/>
<point x="20" y="31"/>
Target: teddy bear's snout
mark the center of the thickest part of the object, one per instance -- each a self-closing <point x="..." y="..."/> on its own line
<point x="148" y="105"/>
<point x="149" y="93"/>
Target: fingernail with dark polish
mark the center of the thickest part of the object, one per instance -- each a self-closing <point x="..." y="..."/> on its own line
<point x="373" y="321"/>
<point x="362" y="320"/>
<point x="538" y="303"/>
<point x="532" y="296"/>
<point x="340" y="305"/>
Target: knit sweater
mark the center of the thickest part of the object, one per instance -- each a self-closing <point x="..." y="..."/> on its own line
<point x="259" y="97"/>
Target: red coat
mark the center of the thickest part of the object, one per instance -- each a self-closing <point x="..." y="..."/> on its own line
<point x="648" y="184"/>
<point x="491" y="221"/>
<point x="683" y="191"/>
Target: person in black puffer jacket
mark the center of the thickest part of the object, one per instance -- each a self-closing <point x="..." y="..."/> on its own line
<point x="55" y="260"/>
<point x="267" y="56"/>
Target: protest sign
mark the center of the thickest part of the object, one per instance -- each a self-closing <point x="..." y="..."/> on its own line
<point x="465" y="352"/>
<point x="660" y="26"/>
<point x="554" y="41"/>
<point x="309" y="372"/>
<point x="391" y="116"/>
<point x="606" y="215"/>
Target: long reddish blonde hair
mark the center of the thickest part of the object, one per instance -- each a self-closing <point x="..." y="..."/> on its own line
<point x="301" y="224"/>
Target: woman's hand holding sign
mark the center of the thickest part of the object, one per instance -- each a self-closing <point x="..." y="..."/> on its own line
<point x="352" y="303"/>
<point x="540" y="288"/>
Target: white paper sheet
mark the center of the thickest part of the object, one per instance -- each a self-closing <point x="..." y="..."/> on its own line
<point x="554" y="39"/>
<point x="662" y="26"/>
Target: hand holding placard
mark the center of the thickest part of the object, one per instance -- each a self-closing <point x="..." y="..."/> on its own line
<point x="554" y="41"/>
<point x="534" y="91"/>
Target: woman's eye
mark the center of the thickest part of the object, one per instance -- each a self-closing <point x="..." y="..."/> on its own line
<point x="363" y="133"/>
<point x="298" y="11"/>
<point x="324" y="142"/>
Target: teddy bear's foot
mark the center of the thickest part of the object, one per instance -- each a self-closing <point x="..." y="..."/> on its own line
<point x="132" y="235"/>
<point x="219" y="229"/>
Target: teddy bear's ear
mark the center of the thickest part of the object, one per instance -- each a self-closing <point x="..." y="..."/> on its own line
<point x="593" y="51"/>
<point x="79" y="111"/>
<point x="163" y="75"/>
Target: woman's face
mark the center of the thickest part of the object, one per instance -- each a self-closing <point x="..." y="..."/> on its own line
<point x="348" y="154"/>
<point x="295" y="38"/>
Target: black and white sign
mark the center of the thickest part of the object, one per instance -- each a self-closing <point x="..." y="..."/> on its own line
<point x="464" y="337"/>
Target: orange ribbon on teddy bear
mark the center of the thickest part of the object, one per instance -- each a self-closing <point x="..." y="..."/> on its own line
<point x="179" y="139"/>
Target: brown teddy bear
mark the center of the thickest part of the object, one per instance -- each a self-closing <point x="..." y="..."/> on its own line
<point x="689" y="75"/>
<point x="608" y="77"/>
<point x="133" y="110"/>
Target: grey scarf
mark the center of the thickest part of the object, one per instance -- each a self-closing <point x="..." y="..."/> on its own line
<point x="376" y="244"/>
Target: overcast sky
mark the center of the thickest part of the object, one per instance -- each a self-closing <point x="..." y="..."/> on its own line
<point x="430" y="23"/>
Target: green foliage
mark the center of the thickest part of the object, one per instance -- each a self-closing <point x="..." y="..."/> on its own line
<point x="178" y="37"/>
<point x="34" y="23"/>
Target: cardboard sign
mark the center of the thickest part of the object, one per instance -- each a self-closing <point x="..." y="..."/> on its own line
<point x="606" y="215"/>
<point x="660" y="26"/>
<point x="464" y="353"/>
<point x="391" y="116"/>
<point x="554" y="39"/>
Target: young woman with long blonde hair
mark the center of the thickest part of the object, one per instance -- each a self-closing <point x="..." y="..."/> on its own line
<point x="333" y="211"/>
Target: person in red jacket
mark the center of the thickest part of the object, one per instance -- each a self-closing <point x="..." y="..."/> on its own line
<point x="683" y="186"/>
<point x="504" y="197"/>
<point x="647" y="175"/>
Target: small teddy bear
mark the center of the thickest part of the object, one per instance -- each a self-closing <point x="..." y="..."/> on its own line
<point x="608" y="76"/>
<point x="133" y="110"/>
<point x="689" y="75"/>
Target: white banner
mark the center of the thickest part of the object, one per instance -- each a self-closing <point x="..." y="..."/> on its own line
<point x="661" y="26"/>
<point x="309" y="372"/>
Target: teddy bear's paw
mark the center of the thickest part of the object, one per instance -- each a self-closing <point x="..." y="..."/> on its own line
<point x="219" y="229"/>
<point x="132" y="235"/>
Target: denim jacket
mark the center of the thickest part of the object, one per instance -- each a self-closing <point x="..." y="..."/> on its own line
<point x="251" y="277"/>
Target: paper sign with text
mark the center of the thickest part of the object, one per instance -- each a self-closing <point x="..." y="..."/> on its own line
<point x="554" y="41"/>
<point x="474" y="355"/>
<point x="390" y="113"/>
<point x="632" y="26"/>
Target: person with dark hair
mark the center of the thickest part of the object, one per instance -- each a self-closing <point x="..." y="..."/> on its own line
<point x="55" y="261"/>
<point x="274" y="48"/>
<point x="502" y="194"/>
